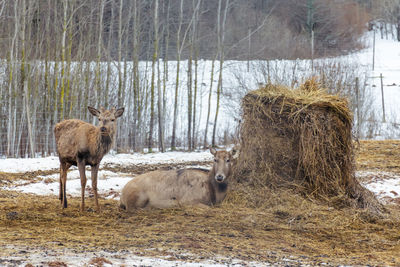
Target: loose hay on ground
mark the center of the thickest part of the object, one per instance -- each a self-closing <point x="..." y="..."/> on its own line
<point x="290" y="227"/>
<point x="283" y="225"/>
<point x="382" y="155"/>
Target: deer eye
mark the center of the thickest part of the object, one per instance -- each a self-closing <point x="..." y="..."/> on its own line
<point x="112" y="120"/>
<point x="215" y="160"/>
<point x="228" y="160"/>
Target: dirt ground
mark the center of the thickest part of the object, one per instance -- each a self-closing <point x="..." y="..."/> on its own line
<point x="290" y="231"/>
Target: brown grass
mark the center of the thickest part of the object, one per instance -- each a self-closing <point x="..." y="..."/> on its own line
<point x="253" y="223"/>
<point x="379" y="155"/>
<point x="285" y="225"/>
<point x="56" y="264"/>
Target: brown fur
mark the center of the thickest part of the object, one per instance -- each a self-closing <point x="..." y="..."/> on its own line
<point x="165" y="189"/>
<point x="80" y="143"/>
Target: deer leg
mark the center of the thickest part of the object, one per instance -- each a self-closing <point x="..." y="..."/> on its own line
<point x="63" y="183"/>
<point x="95" y="170"/>
<point x="60" y="195"/>
<point x="82" y="174"/>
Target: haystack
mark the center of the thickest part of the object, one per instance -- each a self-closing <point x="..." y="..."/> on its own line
<point x="301" y="139"/>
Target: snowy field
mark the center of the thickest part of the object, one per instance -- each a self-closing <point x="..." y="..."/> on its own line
<point x="13" y="165"/>
<point x="124" y="258"/>
<point x="384" y="185"/>
<point x="110" y="183"/>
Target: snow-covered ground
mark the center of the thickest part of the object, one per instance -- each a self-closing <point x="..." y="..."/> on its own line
<point x="14" y="165"/>
<point x="384" y="185"/>
<point x="387" y="63"/>
<point x="110" y="183"/>
<point x="122" y="258"/>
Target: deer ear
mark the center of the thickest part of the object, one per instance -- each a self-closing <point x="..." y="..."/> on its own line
<point x="235" y="151"/>
<point x="94" y="111"/>
<point x="213" y="151"/>
<point x="119" y="112"/>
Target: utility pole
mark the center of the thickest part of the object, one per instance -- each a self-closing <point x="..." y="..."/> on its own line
<point x="383" y="99"/>
<point x="249" y="50"/>
<point x="312" y="50"/>
<point x="358" y="107"/>
<point x="373" y="49"/>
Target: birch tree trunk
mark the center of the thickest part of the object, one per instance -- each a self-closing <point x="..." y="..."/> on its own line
<point x="221" y="36"/>
<point x="11" y="78"/>
<point x="165" y="73"/>
<point x="152" y="85"/>
<point x="28" y="116"/>
<point x="178" y="63"/>
<point x="189" y="99"/>
<point x="109" y="46"/>
<point x="205" y="142"/>
<point x="64" y="33"/>
<point x="99" y="50"/>
<point x="135" y="76"/>
<point x="195" y="48"/>
<point x="121" y="2"/>
<point x="159" y="93"/>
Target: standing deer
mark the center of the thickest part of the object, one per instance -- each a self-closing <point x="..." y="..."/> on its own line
<point x="165" y="189"/>
<point x="80" y="143"/>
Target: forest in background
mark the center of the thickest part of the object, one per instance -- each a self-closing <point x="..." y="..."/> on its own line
<point x="58" y="57"/>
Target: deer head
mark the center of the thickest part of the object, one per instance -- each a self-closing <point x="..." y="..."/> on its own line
<point x="107" y="119"/>
<point x="222" y="165"/>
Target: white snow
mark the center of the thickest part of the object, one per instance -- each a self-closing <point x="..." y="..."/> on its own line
<point x="121" y="258"/>
<point x="109" y="183"/>
<point x="157" y="158"/>
<point x="385" y="185"/>
<point x="387" y="63"/>
<point x="13" y="165"/>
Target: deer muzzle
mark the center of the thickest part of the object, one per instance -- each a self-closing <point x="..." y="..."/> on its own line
<point x="219" y="178"/>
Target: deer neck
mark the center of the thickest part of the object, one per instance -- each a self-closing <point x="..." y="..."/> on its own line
<point x="104" y="142"/>
<point x="217" y="190"/>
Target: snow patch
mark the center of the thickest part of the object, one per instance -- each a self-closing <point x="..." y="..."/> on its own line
<point x="13" y="165"/>
<point x="385" y="185"/>
<point x="121" y="258"/>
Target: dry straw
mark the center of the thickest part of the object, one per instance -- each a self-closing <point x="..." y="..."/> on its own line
<point x="301" y="139"/>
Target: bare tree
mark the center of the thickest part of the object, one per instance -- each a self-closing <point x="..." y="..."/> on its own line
<point x="159" y="94"/>
<point x="220" y="37"/>
<point x="135" y="75"/>
<point x="178" y="63"/>
<point x="195" y="82"/>
<point x="99" y="50"/>
<point x="153" y="66"/>
<point x="179" y="46"/>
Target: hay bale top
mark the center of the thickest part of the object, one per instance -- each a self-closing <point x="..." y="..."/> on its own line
<point x="311" y="93"/>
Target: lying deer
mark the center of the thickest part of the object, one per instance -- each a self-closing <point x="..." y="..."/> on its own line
<point x="80" y="143"/>
<point x="165" y="189"/>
